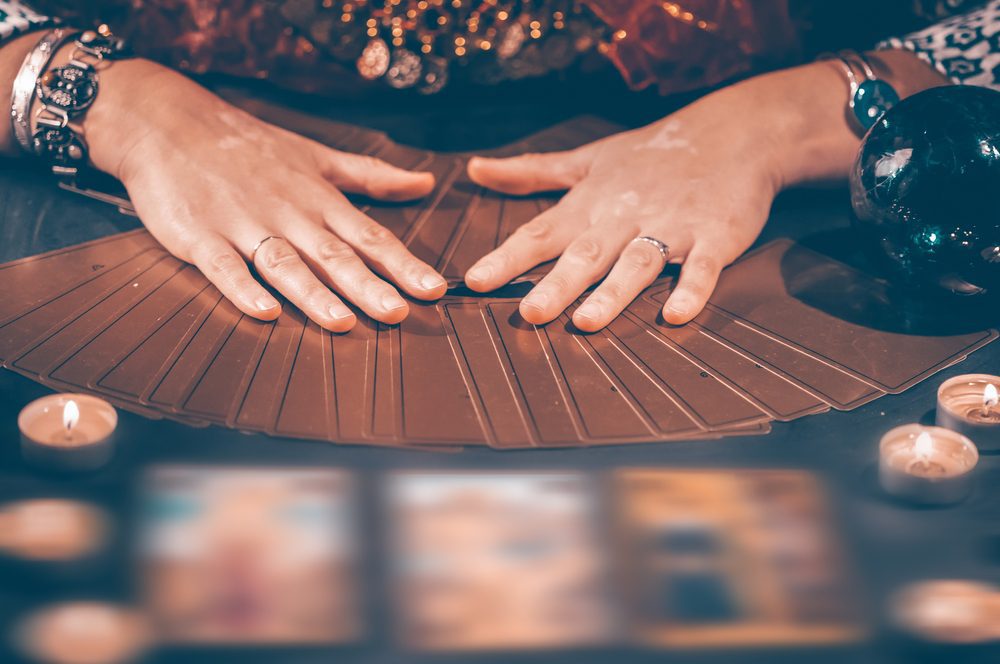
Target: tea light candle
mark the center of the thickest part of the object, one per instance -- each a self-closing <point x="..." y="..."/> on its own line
<point x="926" y="465"/>
<point x="970" y="405"/>
<point x="84" y="633"/>
<point x="67" y="432"/>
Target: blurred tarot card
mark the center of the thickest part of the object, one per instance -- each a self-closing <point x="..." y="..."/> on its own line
<point x="731" y="559"/>
<point x="250" y="555"/>
<point x="497" y="561"/>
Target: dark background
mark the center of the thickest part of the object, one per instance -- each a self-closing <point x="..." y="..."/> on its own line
<point x="890" y="544"/>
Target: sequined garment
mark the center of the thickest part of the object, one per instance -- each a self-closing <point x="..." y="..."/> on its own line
<point x="344" y="47"/>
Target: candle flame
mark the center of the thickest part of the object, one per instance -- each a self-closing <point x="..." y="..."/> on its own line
<point x="990" y="397"/>
<point x="71" y="415"/>
<point x="924" y="445"/>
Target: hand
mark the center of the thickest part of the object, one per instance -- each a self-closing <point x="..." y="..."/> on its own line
<point x="210" y="182"/>
<point x="697" y="181"/>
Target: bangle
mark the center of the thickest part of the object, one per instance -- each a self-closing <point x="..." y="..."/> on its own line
<point x="871" y="96"/>
<point x="23" y="91"/>
<point x="65" y="94"/>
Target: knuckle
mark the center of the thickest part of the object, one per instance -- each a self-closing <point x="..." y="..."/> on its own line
<point x="538" y="229"/>
<point x="639" y="258"/>
<point x="277" y="256"/>
<point x="557" y="283"/>
<point x="704" y="264"/>
<point x="225" y="262"/>
<point x="610" y="291"/>
<point x="374" y="235"/>
<point x="334" y="251"/>
<point x="316" y="294"/>
<point x="584" y="250"/>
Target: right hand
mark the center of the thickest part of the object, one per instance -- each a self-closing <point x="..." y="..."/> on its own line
<point x="210" y="182"/>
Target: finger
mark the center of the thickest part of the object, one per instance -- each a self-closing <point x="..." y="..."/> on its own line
<point x="541" y="239"/>
<point x="277" y="261"/>
<point x="699" y="274"/>
<point x="382" y="250"/>
<point x="226" y="269"/>
<point x="638" y="266"/>
<point x="585" y="260"/>
<point x="338" y="266"/>
<point x="530" y="173"/>
<point x="363" y="174"/>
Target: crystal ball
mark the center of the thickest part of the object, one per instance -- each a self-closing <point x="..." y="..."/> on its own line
<point x="925" y="189"/>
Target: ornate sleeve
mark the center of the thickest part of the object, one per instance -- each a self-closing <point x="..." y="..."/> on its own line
<point x="965" y="48"/>
<point x="16" y="18"/>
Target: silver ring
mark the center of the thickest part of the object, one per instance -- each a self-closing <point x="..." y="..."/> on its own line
<point x="253" y="252"/>
<point x="663" y="248"/>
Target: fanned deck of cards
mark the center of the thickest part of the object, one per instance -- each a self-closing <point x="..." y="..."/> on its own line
<point x="121" y="318"/>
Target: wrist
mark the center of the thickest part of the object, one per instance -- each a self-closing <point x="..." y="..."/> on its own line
<point x="804" y="114"/>
<point x="129" y="105"/>
<point x="805" y="119"/>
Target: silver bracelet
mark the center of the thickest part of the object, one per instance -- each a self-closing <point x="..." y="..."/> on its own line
<point x="870" y="96"/>
<point x="27" y="77"/>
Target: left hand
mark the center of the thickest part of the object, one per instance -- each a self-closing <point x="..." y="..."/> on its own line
<point x="696" y="181"/>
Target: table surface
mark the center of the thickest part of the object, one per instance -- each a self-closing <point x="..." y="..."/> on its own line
<point x="890" y="544"/>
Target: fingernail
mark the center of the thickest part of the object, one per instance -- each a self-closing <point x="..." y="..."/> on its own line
<point x="266" y="303"/>
<point x="536" y="300"/>
<point x="338" y="313"/>
<point x="589" y="311"/>
<point x="481" y="273"/>
<point x="391" y="302"/>
<point x="431" y="281"/>
<point x="679" y="309"/>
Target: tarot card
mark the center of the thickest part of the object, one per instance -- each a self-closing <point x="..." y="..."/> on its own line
<point x="250" y="556"/>
<point x="141" y="370"/>
<point x="826" y="381"/>
<point x="837" y="314"/>
<point x="767" y="389"/>
<point x="497" y="561"/>
<point x="699" y="567"/>
<point x="220" y="389"/>
<point x="134" y="327"/>
<point x="28" y="330"/>
<point x="33" y="281"/>
<point x="173" y="390"/>
<point x="52" y="347"/>
<point x="258" y="410"/>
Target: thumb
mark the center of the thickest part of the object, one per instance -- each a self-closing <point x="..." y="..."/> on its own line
<point x="363" y="174"/>
<point x="530" y="173"/>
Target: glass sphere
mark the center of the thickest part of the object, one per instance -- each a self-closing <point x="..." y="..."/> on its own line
<point x="925" y="189"/>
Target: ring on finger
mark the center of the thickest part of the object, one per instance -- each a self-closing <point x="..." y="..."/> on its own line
<point x="256" y="247"/>
<point x="662" y="247"/>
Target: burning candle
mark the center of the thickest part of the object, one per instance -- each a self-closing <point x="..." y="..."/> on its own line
<point x="970" y="405"/>
<point x="84" y="633"/>
<point x="926" y="465"/>
<point x="67" y="432"/>
<point x="948" y="611"/>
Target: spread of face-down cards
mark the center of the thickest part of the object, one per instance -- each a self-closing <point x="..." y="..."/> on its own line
<point x="121" y="318"/>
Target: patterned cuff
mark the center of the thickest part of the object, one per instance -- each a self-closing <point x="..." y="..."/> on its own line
<point x="17" y="18"/>
<point x="965" y="48"/>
